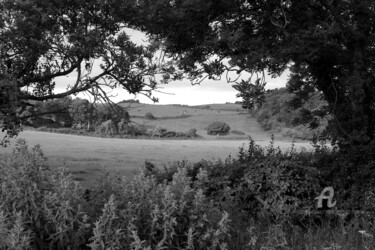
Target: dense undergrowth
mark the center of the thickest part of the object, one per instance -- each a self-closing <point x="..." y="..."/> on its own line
<point x="291" y="115"/>
<point x="262" y="199"/>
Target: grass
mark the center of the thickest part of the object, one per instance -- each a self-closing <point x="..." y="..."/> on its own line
<point x="89" y="157"/>
<point x="182" y="118"/>
<point x="155" y="211"/>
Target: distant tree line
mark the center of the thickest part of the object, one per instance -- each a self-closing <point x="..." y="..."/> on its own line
<point x="76" y="113"/>
<point x="283" y="111"/>
<point x="130" y="101"/>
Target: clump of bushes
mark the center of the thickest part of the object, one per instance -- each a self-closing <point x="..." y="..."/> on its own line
<point x="41" y="209"/>
<point x="237" y="132"/>
<point x="150" y="116"/>
<point x="218" y="128"/>
<point x="164" y="133"/>
<point x="263" y="199"/>
<point x="126" y="128"/>
<point x="266" y="180"/>
<point x="107" y="127"/>
<point x="271" y="195"/>
<point x="192" y="133"/>
<point x="292" y="115"/>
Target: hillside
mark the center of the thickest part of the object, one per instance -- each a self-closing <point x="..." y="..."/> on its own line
<point x="291" y="115"/>
<point x="181" y="118"/>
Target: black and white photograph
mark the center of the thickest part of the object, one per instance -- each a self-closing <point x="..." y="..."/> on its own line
<point x="187" y="124"/>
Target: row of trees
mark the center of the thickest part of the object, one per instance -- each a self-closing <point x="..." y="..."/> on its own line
<point x="68" y="112"/>
<point x="290" y="114"/>
<point x="326" y="45"/>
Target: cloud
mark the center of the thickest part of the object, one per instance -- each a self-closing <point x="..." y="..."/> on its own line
<point x="179" y="92"/>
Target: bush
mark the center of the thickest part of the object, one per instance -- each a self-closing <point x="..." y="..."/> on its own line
<point x="288" y="113"/>
<point x="150" y="116"/>
<point x="268" y="180"/>
<point x="268" y="194"/>
<point x="237" y="132"/>
<point x="107" y="127"/>
<point x="148" y="215"/>
<point x="218" y="128"/>
<point x="44" y="208"/>
<point x="181" y="135"/>
<point x="192" y="133"/>
<point x="164" y="133"/>
<point x="40" y="209"/>
<point x="159" y="132"/>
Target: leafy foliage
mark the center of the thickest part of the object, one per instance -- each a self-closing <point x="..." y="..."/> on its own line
<point x="164" y="133"/>
<point x="218" y="128"/>
<point x="107" y="127"/>
<point x="327" y="46"/>
<point x="282" y="109"/>
<point x="82" y="111"/>
<point x="43" y="209"/>
<point x="264" y="198"/>
<point x="114" y="112"/>
<point x="41" y="41"/>
<point x="252" y="95"/>
<point x="150" y="116"/>
<point x="47" y="205"/>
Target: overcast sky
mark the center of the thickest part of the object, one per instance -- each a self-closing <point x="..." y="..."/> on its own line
<point x="182" y="92"/>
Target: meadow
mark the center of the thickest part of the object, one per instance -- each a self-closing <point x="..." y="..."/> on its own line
<point x="89" y="157"/>
<point x="150" y="207"/>
<point x="181" y="118"/>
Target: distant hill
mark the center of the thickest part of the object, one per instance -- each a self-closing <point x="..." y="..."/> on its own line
<point x="286" y="113"/>
<point x="181" y="118"/>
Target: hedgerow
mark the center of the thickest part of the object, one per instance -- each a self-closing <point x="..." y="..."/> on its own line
<point x="41" y="209"/>
<point x="261" y="199"/>
<point x="218" y="128"/>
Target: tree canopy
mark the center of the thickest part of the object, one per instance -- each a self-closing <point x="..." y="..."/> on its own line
<point x="43" y="40"/>
<point x="327" y="45"/>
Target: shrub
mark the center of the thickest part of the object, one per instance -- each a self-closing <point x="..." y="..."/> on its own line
<point x="147" y="215"/>
<point x="43" y="207"/>
<point x="183" y="205"/>
<point x="192" y="133"/>
<point x="164" y="133"/>
<point x="218" y="128"/>
<point x="107" y="127"/>
<point x="150" y="116"/>
<point x="44" y="210"/>
<point x="181" y="135"/>
<point x="159" y="132"/>
<point x="237" y="132"/>
<point x="169" y="134"/>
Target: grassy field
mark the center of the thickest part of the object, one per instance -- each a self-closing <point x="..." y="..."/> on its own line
<point x="88" y="157"/>
<point x="182" y="118"/>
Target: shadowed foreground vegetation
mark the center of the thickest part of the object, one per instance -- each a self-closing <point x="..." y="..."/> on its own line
<point x="264" y="199"/>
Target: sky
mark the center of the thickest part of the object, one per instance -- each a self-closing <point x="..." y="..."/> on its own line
<point x="181" y="92"/>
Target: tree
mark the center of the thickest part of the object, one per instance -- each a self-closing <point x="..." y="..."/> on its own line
<point x="218" y="128"/>
<point x="114" y="112"/>
<point x="82" y="111"/>
<point x="43" y="40"/>
<point x="58" y="107"/>
<point x="327" y="45"/>
<point x="253" y="95"/>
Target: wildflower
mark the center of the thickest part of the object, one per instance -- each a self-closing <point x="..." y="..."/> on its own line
<point x="365" y="234"/>
<point x="333" y="246"/>
<point x="253" y="241"/>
